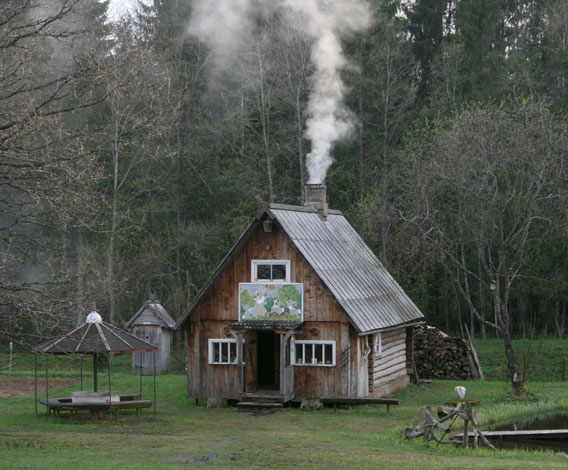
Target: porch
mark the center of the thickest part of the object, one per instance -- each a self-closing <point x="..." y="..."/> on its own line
<point x="265" y="372"/>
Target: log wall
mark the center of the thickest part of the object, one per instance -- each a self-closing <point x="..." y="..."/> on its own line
<point x="390" y="366"/>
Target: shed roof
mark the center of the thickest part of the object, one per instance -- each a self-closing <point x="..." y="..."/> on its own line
<point x="346" y="266"/>
<point x="151" y="313"/>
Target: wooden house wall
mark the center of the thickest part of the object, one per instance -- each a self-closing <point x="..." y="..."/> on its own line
<point x="391" y="365"/>
<point x="324" y="320"/>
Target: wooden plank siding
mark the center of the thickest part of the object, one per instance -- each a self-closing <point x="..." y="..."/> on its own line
<point x="219" y="308"/>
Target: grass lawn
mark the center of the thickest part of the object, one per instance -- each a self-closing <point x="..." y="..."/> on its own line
<point x="186" y="436"/>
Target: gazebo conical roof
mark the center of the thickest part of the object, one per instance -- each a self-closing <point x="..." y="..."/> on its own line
<point x="95" y="338"/>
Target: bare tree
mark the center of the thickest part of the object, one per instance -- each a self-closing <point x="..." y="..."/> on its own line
<point x="490" y="184"/>
<point x="47" y="55"/>
<point x="139" y="111"/>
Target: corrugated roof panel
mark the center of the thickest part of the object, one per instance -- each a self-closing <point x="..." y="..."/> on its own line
<point x="348" y="268"/>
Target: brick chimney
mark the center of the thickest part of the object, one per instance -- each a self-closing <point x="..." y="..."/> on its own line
<point x="315" y="195"/>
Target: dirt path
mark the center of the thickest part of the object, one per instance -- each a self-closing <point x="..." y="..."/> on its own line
<point x="25" y="387"/>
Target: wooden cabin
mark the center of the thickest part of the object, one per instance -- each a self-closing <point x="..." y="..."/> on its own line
<point x="152" y="323"/>
<point x="299" y="308"/>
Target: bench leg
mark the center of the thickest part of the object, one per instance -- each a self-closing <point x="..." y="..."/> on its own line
<point x="137" y="411"/>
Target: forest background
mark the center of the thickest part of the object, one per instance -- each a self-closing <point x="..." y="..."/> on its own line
<point x="130" y="164"/>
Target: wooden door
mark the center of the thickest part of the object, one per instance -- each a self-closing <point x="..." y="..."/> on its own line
<point x="286" y="369"/>
<point x="250" y="348"/>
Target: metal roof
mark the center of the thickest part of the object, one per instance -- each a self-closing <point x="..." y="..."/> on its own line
<point x="347" y="267"/>
<point x="95" y="338"/>
<point x="151" y="313"/>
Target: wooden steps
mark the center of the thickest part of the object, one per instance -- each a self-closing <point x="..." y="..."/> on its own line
<point x="255" y="404"/>
<point x="260" y="402"/>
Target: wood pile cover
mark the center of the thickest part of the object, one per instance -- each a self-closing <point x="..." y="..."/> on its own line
<point x="439" y="356"/>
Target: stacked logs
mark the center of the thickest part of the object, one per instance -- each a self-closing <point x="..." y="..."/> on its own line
<point x="438" y="356"/>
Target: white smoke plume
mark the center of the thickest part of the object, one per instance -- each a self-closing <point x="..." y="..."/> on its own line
<point x="224" y="24"/>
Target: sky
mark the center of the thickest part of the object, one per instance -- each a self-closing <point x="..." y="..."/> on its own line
<point x="117" y="8"/>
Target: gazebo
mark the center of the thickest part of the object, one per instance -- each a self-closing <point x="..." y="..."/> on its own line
<point x="94" y="337"/>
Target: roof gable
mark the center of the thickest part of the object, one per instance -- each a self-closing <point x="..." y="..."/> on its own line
<point x="345" y="265"/>
<point x="151" y="313"/>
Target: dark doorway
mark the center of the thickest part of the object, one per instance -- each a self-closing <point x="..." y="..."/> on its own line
<point x="268" y="360"/>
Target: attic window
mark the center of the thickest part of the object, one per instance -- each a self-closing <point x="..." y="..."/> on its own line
<point x="270" y="270"/>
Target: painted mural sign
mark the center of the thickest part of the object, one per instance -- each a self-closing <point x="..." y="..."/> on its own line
<point x="271" y="302"/>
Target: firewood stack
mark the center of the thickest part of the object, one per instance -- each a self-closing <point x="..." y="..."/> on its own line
<point x="438" y="356"/>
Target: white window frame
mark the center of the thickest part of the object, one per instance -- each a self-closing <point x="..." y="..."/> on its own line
<point x="302" y="343"/>
<point x="378" y="344"/>
<point x="217" y="342"/>
<point x="254" y="274"/>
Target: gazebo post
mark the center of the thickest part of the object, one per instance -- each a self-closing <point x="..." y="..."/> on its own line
<point x="140" y="372"/>
<point x="46" y="390"/>
<point x="35" y="381"/>
<point x="81" y="373"/>
<point x="95" y="372"/>
<point x="154" y="384"/>
<point x="109" y="362"/>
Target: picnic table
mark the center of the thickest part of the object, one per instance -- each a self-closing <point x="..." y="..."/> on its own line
<point x="56" y="405"/>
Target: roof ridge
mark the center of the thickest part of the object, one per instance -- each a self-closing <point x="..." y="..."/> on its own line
<point x="289" y="207"/>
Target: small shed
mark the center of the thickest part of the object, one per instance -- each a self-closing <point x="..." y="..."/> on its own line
<point x="152" y="323"/>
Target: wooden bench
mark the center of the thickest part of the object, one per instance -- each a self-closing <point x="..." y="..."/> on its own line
<point x="56" y="405"/>
<point x="359" y="401"/>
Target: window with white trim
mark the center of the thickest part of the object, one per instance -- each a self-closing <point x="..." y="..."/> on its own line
<point x="267" y="270"/>
<point x="313" y="353"/>
<point x="377" y="344"/>
<point x="222" y="351"/>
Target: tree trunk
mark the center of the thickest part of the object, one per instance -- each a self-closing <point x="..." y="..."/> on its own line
<point x="300" y="137"/>
<point x="114" y="216"/>
<point x="79" y="298"/>
<point x="264" y="116"/>
<point x="516" y="376"/>
<point x="502" y="314"/>
<point x="361" y="150"/>
<point x="560" y="318"/>
<point x="482" y="300"/>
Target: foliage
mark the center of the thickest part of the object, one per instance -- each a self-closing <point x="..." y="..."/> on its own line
<point x="130" y="164"/>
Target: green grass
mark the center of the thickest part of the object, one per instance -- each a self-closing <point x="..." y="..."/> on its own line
<point x="186" y="436"/>
<point x="541" y="359"/>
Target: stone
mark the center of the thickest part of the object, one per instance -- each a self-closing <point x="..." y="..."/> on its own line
<point x="216" y="403"/>
<point x="311" y="404"/>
